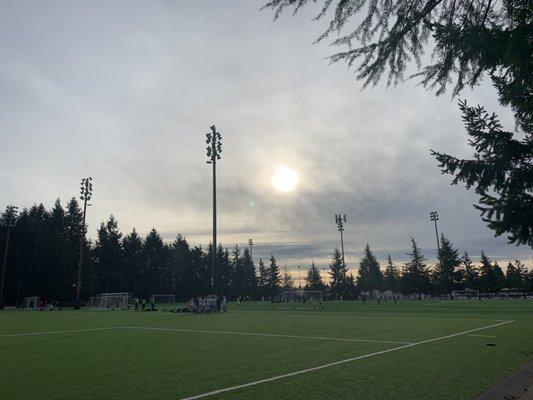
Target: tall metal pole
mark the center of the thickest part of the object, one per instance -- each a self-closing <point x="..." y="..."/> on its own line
<point x="340" y="220"/>
<point x="213" y="153"/>
<point x="299" y="278"/>
<point x="434" y="216"/>
<point x="10" y="219"/>
<point x="85" y="195"/>
<point x="252" y="270"/>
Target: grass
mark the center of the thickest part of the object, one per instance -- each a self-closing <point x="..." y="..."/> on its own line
<point x="178" y="361"/>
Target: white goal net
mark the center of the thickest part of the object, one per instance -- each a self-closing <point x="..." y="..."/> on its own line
<point x="163" y="298"/>
<point x="30" y="302"/>
<point x="465" y="294"/>
<point x="299" y="299"/>
<point x="110" y="301"/>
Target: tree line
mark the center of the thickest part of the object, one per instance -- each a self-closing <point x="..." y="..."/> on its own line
<point x="45" y="244"/>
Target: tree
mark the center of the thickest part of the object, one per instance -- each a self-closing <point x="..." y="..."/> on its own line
<point x="470" y="39"/>
<point x="501" y="172"/>
<point x="108" y="256"/>
<point x="287" y="281"/>
<point x="313" y="279"/>
<point x="262" y="280"/>
<point x="132" y="252"/>
<point x="154" y="264"/>
<point x="469" y="274"/>
<point x="491" y="277"/>
<point x="338" y="275"/>
<point x="273" y="277"/>
<point x="445" y="273"/>
<point x="415" y="275"/>
<point x="391" y="277"/>
<point x="249" y="272"/>
<point x="370" y="276"/>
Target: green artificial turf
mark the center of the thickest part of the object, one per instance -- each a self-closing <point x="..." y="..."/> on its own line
<point x="131" y="362"/>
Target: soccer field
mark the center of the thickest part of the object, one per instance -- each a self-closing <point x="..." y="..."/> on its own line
<point x="410" y="350"/>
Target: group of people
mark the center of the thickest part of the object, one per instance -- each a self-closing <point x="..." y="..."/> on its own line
<point x="140" y="305"/>
<point x="208" y="304"/>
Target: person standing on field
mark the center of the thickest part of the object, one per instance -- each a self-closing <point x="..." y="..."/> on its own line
<point x="143" y="305"/>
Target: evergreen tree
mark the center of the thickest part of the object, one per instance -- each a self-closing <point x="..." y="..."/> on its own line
<point x="273" y="277"/>
<point x="249" y="272"/>
<point x="133" y="260"/>
<point x="108" y="256"/>
<point x="370" y="275"/>
<point x="240" y="277"/>
<point x="469" y="274"/>
<point x="501" y="172"/>
<point x="287" y="281"/>
<point x="415" y="275"/>
<point x="490" y="276"/>
<point x="391" y="277"/>
<point x="313" y="279"/>
<point x="154" y="264"/>
<point x="338" y="275"/>
<point x="514" y="278"/>
<point x="446" y="272"/>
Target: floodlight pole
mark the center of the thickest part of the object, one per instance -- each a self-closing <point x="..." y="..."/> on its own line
<point x="86" y="191"/>
<point x="214" y="148"/>
<point x="10" y="218"/>
<point x="299" y="279"/>
<point x="340" y="220"/>
<point x="434" y="216"/>
<point x="252" y="270"/>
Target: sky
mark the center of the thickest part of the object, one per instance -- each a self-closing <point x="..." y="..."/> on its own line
<point x="124" y="92"/>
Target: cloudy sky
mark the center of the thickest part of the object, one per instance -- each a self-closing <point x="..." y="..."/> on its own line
<point x="124" y="91"/>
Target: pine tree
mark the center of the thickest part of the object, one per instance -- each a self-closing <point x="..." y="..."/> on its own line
<point x="446" y="272"/>
<point x="108" y="256"/>
<point x="249" y="272"/>
<point x="338" y="275"/>
<point x="132" y="246"/>
<point x="370" y="275"/>
<point x="491" y="277"/>
<point x="514" y="278"/>
<point x="263" y="279"/>
<point x="469" y="274"/>
<point x="273" y="277"/>
<point x="501" y="172"/>
<point x="287" y="281"/>
<point x="415" y="276"/>
<point x="154" y="264"/>
<point x="391" y="278"/>
<point x="313" y="279"/>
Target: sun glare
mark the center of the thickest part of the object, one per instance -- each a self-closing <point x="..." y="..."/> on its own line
<point x="285" y="179"/>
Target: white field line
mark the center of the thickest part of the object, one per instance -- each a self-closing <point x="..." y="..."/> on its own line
<point x="486" y="336"/>
<point x="264" y="334"/>
<point x="277" y="313"/>
<point x="304" y="371"/>
<point x="64" y="331"/>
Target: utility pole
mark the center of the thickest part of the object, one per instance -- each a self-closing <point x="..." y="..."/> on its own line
<point x="340" y="220"/>
<point x="299" y="279"/>
<point x="214" y="148"/>
<point x="8" y="221"/>
<point x="434" y="216"/>
<point x="252" y="269"/>
<point x="86" y="192"/>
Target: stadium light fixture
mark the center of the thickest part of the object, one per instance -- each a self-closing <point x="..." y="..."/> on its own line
<point x="86" y="193"/>
<point x="9" y="219"/>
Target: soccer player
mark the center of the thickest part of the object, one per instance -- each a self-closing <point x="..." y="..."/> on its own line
<point x="143" y="305"/>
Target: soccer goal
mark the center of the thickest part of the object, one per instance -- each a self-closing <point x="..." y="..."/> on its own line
<point x="163" y="298"/>
<point x="110" y="301"/>
<point x="466" y="294"/>
<point x="301" y="299"/>
<point x="30" y="302"/>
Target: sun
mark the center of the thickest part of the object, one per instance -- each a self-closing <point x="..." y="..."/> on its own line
<point x="285" y="179"/>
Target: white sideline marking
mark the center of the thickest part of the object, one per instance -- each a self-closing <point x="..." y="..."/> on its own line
<point x="303" y="371"/>
<point x="264" y="334"/>
<point x="52" y="332"/>
<point x="487" y="336"/>
<point x="276" y="313"/>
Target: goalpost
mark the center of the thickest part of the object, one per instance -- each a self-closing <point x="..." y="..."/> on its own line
<point x="30" y="302"/>
<point x="301" y="299"/>
<point x="110" y="301"/>
<point x="163" y="298"/>
<point x="466" y="294"/>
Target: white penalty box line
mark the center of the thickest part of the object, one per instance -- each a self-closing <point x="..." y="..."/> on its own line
<point x="347" y="360"/>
